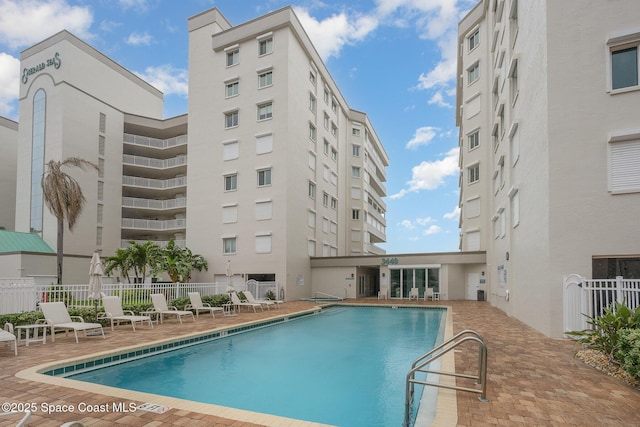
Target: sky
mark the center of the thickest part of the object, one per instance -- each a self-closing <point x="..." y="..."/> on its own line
<point x="395" y="60"/>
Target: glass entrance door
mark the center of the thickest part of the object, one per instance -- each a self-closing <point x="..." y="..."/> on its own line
<point x="402" y="280"/>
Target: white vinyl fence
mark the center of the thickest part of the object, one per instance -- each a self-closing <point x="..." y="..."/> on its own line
<point x="24" y="297"/>
<point x="584" y="298"/>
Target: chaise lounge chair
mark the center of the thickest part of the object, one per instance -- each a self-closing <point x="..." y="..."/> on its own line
<point x="7" y="335"/>
<point x="235" y="300"/>
<point x="113" y="311"/>
<point x="197" y="305"/>
<point x="160" y="306"/>
<point x="249" y="296"/>
<point x="57" y="316"/>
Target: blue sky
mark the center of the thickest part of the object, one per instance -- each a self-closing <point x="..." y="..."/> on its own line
<point x="392" y="59"/>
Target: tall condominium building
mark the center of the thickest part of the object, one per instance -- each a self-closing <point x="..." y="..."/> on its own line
<point x="269" y="168"/>
<point x="550" y="148"/>
<point x="9" y="147"/>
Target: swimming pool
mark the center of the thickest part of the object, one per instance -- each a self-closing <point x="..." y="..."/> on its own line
<point x="345" y="367"/>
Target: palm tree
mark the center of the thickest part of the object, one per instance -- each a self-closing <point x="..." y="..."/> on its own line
<point x="63" y="196"/>
<point x="179" y="262"/>
<point x="121" y="261"/>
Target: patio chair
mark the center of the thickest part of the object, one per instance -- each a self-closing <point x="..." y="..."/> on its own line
<point x="383" y="292"/>
<point x="428" y="294"/>
<point x="197" y="305"/>
<point x="249" y="296"/>
<point x="114" y="312"/>
<point x="160" y="306"/>
<point x="7" y="335"/>
<point x="235" y="300"/>
<point x="414" y="293"/>
<point x="57" y="316"/>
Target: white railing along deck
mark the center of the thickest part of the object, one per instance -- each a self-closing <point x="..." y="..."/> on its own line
<point x="15" y="298"/>
<point x="584" y="298"/>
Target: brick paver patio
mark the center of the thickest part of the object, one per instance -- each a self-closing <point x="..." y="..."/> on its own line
<point x="532" y="380"/>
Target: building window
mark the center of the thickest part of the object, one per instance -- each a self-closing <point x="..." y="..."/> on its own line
<point x="334" y="154"/>
<point x="326" y="121"/>
<point x="231" y="89"/>
<point x="334" y="203"/>
<point x="231" y="119"/>
<point x="355" y="171"/>
<point x="312" y="77"/>
<point x="231" y="182"/>
<point x="334" y="129"/>
<point x="325" y="199"/>
<point x="233" y="57"/>
<point x="229" y="245"/>
<point x="474" y="173"/>
<point x="326" y="96"/>
<point x="624" y="68"/>
<point x="37" y="158"/>
<point x="264" y="177"/>
<point x="264" y="144"/>
<point x="100" y="190"/>
<point x="312" y="132"/>
<point x="265" y="111"/>
<point x="513" y="77"/>
<point x="515" y="207"/>
<point x="334" y="106"/>
<point x="312" y="160"/>
<point x="311" y="219"/>
<point x="355" y="150"/>
<point x="355" y="214"/>
<point x="100" y="168"/>
<point x="355" y="132"/>
<point x="474" y="40"/>
<point x="99" y="236"/>
<point x="265" y="46"/>
<point x="624" y="158"/>
<point x="473" y="73"/>
<point x="265" y="79"/>
<point x="230" y="214"/>
<point x="311" y="247"/>
<point x="326" y="147"/>
<point x="312" y="102"/>
<point x="474" y="140"/>
<point x="501" y="120"/>
<point x="264" y="210"/>
<point x="101" y="145"/>
<point x="230" y="150"/>
<point x="263" y="243"/>
<point x="102" y="126"/>
<point x="312" y="190"/>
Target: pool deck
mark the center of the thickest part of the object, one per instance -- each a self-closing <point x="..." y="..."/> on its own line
<point x="532" y="380"/>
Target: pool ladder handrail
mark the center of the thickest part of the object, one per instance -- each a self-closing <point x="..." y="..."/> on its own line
<point x="439" y="351"/>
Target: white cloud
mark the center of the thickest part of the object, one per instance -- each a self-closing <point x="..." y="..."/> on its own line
<point x="424" y="221"/>
<point x="407" y="224"/>
<point x="431" y="175"/>
<point x="25" y="22"/>
<point x="137" y="39"/>
<point x="331" y="34"/>
<point x="166" y="78"/>
<point x="434" y="229"/>
<point x="422" y="136"/>
<point x="140" y="5"/>
<point x="438" y="100"/>
<point x="9" y="83"/>
<point x="454" y="214"/>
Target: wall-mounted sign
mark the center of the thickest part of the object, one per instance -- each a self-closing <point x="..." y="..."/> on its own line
<point x="389" y="261"/>
<point x="54" y="62"/>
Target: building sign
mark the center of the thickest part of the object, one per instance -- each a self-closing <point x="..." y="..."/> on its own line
<point x="54" y="62"/>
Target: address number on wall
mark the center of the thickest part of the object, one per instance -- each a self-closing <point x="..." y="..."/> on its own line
<point x="389" y="261"/>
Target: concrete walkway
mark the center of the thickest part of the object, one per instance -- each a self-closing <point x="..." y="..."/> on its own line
<point x="532" y="380"/>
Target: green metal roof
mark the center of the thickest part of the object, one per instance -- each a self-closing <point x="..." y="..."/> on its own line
<point x="12" y="241"/>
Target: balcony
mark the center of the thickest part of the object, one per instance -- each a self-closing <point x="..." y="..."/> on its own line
<point x="149" y="162"/>
<point x="149" y="188"/>
<point x="173" y="225"/>
<point x="375" y="249"/>
<point x="162" y="243"/>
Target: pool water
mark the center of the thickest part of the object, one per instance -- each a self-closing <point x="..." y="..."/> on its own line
<point x="346" y="366"/>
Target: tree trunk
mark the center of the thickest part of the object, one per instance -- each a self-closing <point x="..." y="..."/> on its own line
<point x="59" y="250"/>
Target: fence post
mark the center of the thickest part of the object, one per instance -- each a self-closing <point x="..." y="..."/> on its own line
<point x="619" y="290"/>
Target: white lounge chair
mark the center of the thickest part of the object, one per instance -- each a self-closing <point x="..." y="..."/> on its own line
<point x="383" y="292"/>
<point x="235" y="300"/>
<point x="160" y="306"/>
<point x="7" y="335"/>
<point x="57" y="316"/>
<point x="249" y="296"/>
<point x="113" y="311"/>
<point x="197" y="305"/>
<point x="414" y="293"/>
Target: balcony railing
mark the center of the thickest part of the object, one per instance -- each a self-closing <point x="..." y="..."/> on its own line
<point x="154" y="224"/>
<point x="126" y="243"/>
<point x="155" y="142"/>
<point x="173" y="162"/>
<point x="161" y="184"/>
<point x="134" y="202"/>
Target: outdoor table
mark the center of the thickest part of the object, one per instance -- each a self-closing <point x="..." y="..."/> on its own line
<point x="36" y="336"/>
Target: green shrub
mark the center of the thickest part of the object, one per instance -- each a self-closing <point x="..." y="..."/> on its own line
<point x="270" y="295"/>
<point x="628" y="352"/>
<point x="216" y="300"/>
<point x="135" y="295"/>
<point x="179" y="303"/>
<point x="604" y="334"/>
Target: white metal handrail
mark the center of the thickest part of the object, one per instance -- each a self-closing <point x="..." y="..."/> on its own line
<point x="423" y="361"/>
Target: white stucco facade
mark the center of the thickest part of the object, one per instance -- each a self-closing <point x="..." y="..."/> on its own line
<point x="554" y="194"/>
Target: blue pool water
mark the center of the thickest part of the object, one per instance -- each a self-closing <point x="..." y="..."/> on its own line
<point x="345" y="366"/>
